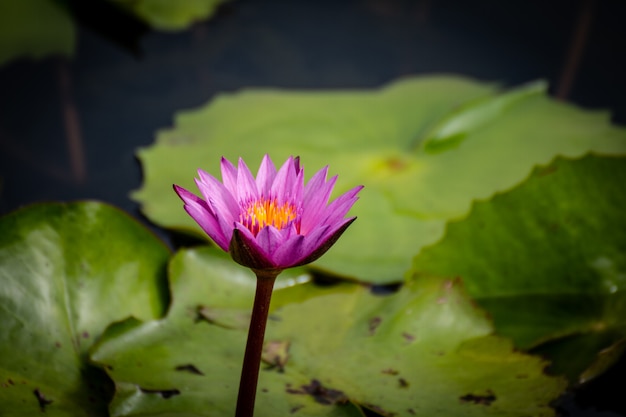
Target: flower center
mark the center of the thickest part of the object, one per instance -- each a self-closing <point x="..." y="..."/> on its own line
<point x="264" y="212"/>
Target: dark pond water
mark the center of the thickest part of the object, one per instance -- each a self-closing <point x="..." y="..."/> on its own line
<point x="69" y="128"/>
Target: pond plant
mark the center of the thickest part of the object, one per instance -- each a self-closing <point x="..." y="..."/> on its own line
<point x="267" y="224"/>
<point x="484" y="277"/>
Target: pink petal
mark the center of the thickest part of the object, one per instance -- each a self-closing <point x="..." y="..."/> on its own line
<point x="326" y="242"/>
<point x="317" y="185"/>
<point x="298" y="190"/>
<point x="339" y="207"/>
<point x="265" y="176"/>
<point x="332" y="213"/>
<point x="297" y="248"/>
<point x="199" y="210"/>
<point x="209" y="224"/>
<point x="317" y="193"/>
<point x="246" y="251"/>
<point x="189" y="198"/>
<point x="290" y="252"/>
<point x="270" y="238"/>
<point x="296" y="164"/>
<point x="289" y="231"/>
<point x="229" y="176"/>
<point x="284" y="182"/>
<point x="218" y="197"/>
<point x="246" y="185"/>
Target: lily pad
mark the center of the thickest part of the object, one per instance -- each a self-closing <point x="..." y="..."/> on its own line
<point x="425" y="148"/>
<point x="548" y="261"/>
<point x="35" y="28"/>
<point x="67" y="272"/>
<point x="209" y="270"/>
<point x="171" y="15"/>
<point x="424" y="350"/>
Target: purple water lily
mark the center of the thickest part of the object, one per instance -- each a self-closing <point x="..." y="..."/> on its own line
<point x="272" y="222"/>
<point x="268" y="224"/>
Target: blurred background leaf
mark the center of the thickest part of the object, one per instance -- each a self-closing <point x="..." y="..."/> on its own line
<point x="38" y="28"/>
<point x="424" y="147"/>
<point x="35" y="28"/>
<point x="170" y="15"/>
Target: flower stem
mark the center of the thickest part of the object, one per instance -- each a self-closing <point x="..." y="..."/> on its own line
<point x="254" y="346"/>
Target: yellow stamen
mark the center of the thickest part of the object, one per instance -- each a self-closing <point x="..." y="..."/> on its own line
<point x="264" y="212"/>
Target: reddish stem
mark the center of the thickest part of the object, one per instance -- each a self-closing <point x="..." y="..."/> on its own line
<point x="577" y="47"/>
<point x="74" y="137"/>
<point x="254" y="346"/>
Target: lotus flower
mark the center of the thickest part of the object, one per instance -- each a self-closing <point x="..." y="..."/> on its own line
<point x="272" y="222"/>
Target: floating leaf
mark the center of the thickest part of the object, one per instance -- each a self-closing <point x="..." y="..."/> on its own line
<point x="548" y="260"/>
<point x="171" y="15"/>
<point x="209" y="270"/>
<point x="426" y="350"/>
<point x="68" y="271"/>
<point x="35" y="28"/>
<point x="425" y="149"/>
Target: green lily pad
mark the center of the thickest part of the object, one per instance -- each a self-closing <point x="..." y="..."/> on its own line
<point x="67" y="271"/>
<point x="35" y="28"/>
<point x="425" y="148"/>
<point x="171" y="15"/>
<point x="548" y="261"/>
<point x="426" y="350"/>
<point x="231" y="286"/>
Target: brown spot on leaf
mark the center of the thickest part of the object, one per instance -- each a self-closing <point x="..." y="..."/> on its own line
<point x="390" y="371"/>
<point x="165" y="393"/>
<point x="276" y="354"/>
<point x="201" y="313"/>
<point x="396" y="164"/>
<point x="208" y="314"/>
<point x="483" y="399"/>
<point x="296" y="408"/>
<point x="85" y="334"/>
<point x="403" y="383"/>
<point x="42" y="400"/>
<point x="373" y="325"/>
<point x="379" y="410"/>
<point x="221" y="317"/>
<point x="320" y="393"/>
<point x="408" y="337"/>
<point x="189" y="368"/>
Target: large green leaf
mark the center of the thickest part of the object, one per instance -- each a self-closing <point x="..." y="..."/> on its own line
<point x="425" y="149"/>
<point x="66" y="272"/>
<point x="426" y="350"/>
<point x="35" y="28"/>
<point x="548" y="260"/>
<point x="171" y="15"/>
